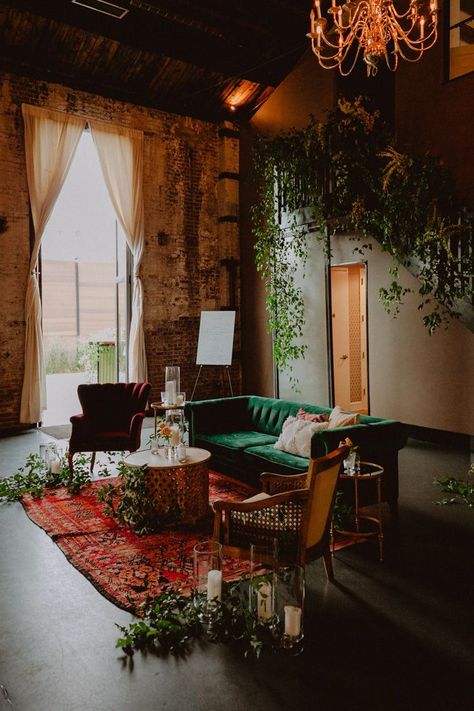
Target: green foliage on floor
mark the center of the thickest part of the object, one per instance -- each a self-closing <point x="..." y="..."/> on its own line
<point x="35" y="478"/>
<point x="459" y="491"/>
<point x="171" y="622"/>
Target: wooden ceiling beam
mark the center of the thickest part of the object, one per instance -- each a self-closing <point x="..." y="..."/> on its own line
<point x="164" y="37"/>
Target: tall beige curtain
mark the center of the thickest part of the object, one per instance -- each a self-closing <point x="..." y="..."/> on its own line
<point x="51" y="139"/>
<point x="121" y="158"/>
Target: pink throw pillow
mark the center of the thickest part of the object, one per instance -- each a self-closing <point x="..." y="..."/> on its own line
<point x="311" y="416"/>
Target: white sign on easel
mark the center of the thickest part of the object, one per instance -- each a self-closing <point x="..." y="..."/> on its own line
<point x="216" y="338"/>
<point x="216" y="341"/>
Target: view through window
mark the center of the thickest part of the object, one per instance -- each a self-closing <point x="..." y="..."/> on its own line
<point x="84" y="288"/>
<point x="461" y="37"/>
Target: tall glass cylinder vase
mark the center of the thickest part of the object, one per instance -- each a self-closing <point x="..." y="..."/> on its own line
<point x="172" y="383"/>
<point x="289" y="606"/>
<point x="263" y="567"/>
<point x="208" y="577"/>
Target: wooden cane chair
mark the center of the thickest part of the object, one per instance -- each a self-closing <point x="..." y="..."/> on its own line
<point x="296" y="510"/>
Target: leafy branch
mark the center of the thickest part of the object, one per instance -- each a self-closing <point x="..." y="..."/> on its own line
<point x="460" y="491"/>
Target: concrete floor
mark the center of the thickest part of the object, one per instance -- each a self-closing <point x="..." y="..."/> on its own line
<point x="392" y="635"/>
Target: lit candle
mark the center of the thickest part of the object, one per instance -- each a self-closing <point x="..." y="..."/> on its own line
<point x="55" y="465"/>
<point x="171" y="391"/>
<point x="264" y="601"/>
<point x="317" y="5"/>
<point x="318" y="35"/>
<point x="422" y="27"/>
<point x="292" y="621"/>
<point x="214" y="584"/>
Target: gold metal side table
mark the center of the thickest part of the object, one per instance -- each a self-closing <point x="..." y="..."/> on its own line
<point x="369" y="471"/>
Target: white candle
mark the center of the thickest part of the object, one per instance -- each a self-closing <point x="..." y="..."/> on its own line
<point x="292" y="621"/>
<point x="55" y="465"/>
<point x="264" y="601"/>
<point x="180" y="399"/>
<point x="214" y="584"/>
<point x="174" y="439"/>
<point x="181" y="453"/>
<point x="171" y="391"/>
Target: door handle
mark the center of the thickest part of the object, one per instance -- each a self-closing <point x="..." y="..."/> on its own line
<point x="344" y="357"/>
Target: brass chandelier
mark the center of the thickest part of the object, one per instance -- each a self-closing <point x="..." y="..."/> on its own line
<point x="374" y="27"/>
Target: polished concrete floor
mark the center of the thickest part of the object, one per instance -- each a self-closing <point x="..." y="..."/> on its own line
<point x="391" y="635"/>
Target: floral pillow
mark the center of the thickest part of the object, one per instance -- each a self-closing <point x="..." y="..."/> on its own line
<point x="311" y="416"/>
<point x="338" y="418"/>
<point x="295" y="437"/>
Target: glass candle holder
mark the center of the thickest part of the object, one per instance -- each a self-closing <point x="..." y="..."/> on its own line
<point x="263" y="566"/>
<point x="289" y="602"/>
<point x="155" y="444"/>
<point x="208" y="576"/>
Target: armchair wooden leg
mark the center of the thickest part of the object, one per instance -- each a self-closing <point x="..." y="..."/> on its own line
<point x="70" y="464"/>
<point x="327" y="557"/>
<point x="92" y="461"/>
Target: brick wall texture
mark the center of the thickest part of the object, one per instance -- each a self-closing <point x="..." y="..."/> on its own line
<point x="184" y="239"/>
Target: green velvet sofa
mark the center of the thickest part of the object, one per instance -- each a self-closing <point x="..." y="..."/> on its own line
<point x="240" y="433"/>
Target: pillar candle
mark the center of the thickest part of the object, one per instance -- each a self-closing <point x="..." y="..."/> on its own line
<point x="55" y="465"/>
<point x="171" y="391"/>
<point x="214" y="584"/>
<point x="264" y="601"/>
<point x="292" y="621"/>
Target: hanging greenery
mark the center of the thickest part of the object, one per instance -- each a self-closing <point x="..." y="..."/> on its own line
<point x="347" y="173"/>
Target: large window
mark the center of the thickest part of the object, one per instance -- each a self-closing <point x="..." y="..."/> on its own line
<point x="461" y="37"/>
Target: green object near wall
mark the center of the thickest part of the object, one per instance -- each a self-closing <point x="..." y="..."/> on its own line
<point x="106" y="363"/>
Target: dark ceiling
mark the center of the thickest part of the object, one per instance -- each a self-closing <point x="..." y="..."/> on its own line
<point x="194" y="57"/>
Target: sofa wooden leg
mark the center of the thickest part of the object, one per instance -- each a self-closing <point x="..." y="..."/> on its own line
<point x="92" y="461"/>
<point x="327" y="557"/>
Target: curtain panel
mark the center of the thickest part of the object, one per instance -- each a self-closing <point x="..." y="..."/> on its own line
<point x="51" y="140"/>
<point x="121" y="158"/>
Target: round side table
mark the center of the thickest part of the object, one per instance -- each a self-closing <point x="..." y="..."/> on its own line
<point x="369" y="471"/>
<point x="174" y="485"/>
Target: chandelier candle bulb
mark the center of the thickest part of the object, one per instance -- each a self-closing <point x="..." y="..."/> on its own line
<point x="264" y="601"/>
<point x="292" y="621"/>
<point x="214" y="585"/>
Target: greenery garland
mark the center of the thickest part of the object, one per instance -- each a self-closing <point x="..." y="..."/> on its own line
<point x="458" y="490"/>
<point x="348" y="174"/>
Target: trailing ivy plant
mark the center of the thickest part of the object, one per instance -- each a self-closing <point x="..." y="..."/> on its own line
<point x="460" y="491"/>
<point x="130" y="503"/>
<point x="170" y="622"/>
<point x="349" y="174"/>
<point x="35" y="478"/>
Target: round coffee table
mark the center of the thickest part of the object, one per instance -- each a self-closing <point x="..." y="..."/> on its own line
<point x="178" y="489"/>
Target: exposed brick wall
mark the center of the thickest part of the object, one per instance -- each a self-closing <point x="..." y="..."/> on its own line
<point x="184" y="241"/>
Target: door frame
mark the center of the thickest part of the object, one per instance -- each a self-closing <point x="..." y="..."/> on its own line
<point x="330" y="346"/>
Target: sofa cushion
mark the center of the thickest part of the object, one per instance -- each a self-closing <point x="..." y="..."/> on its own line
<point x="311" y="416"/>
<point x="339" y="418"/>
<point x="268" y="456"/>
<point x="268" y="415"/>
<point x="237" y="440"/>
<point x="296" y="434"/>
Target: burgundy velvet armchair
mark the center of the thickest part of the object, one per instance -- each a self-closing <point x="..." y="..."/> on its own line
<point x="111" y="420"/>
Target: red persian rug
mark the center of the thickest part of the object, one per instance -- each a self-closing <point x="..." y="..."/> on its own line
<point x="124" y="567"/>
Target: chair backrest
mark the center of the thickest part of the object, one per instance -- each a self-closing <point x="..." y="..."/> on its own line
<point x="324" y="473"/>
<point x="113" y="404"/>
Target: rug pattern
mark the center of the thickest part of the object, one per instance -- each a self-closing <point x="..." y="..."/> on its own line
<point x="124" y="567"/>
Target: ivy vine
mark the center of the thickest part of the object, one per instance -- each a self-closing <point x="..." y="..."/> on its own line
<point x="347" y="172"/>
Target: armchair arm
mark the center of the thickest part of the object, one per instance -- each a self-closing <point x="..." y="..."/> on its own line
<point x="326" y="441"/>
<point x="277" y="483"/>
<point x="239" y="523"/>
<point x="136" y="428"/>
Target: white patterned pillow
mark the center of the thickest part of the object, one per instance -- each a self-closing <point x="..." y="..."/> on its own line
<point x="338" y="418"/>
<point x="296" y="436"/>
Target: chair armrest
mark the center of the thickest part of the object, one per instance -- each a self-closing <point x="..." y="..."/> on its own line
<point x="245" y="507"/>
<point x="277" y="483"/>
<point x="325" y="441"/>
<point x="136" y="427"/>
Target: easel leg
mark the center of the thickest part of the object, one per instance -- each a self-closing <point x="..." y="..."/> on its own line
<point x="230" y="381"/>
<point x="195" y="384"/>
